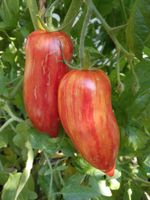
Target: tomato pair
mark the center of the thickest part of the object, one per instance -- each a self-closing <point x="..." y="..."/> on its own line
<point x="81" y="97"/>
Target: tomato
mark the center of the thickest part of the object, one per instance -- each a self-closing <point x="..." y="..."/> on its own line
<point x="84" y="104"/>
<point x="44" y="68"/>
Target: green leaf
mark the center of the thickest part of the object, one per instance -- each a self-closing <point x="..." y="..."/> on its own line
<point x="6" y="137"/>
<point x="3" y="142"/>
<point x="9" y="12"/>
<point x="104" y="6"/>
<point x="43" y="142"/>
<point x="3" y="177"/>
<point x="136" y="107"/>
<point x="26" y="172"/>
<point x="22" y="130"/>
<point x="139" y="110"/>
<point x="3" y="81"/>
<point x="138" y="27"/>
<point x="147" y="161"/>
<point x="79" y="192"/>
<point x="66" y="146"/>
<point x="10" y="186"/>
<point x="136" y="137"/>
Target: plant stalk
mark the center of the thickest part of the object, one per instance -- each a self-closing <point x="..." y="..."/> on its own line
<point x="33" y="9"/>
<point x="82" y="55"/>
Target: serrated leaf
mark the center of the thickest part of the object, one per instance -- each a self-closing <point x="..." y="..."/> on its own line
<point x="138" y="27"/>
<point x="43" y="142"/>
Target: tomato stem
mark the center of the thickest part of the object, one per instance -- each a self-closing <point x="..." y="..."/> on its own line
<point x="84" y="57"/>
<point x="50" y="195"/>
<point x="33" y="9"/>
<point x="49" y="13"/>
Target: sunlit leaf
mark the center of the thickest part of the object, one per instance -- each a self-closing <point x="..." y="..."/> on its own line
<point x="10" y="186"/>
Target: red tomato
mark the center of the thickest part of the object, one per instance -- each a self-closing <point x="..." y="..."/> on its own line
<point x="44" y="69"/>
<point x="84" y="104"/>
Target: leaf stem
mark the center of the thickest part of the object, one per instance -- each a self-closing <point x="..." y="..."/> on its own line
<point x="33" y="9"/>
<point x="49" y="12"/>
<point x="82" y="38"/>
<point x="120" y="86"/>
<point x="117" y="28"/>
<point x="8" y="110"/>
<point x="10" y="113"/>
<point x="9" y="121"/>
<point x="136" y="85"/>
<point x="50" y="196"/>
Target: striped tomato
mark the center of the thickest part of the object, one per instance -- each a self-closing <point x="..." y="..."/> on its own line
<point x="84" y="104"/>
<point x="44" y="69"/>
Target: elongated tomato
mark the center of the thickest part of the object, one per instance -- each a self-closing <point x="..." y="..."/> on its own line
<point x="44" y="68"/>
<point x="84" y="104"/>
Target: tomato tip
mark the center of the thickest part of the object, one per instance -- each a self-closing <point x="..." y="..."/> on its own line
<point x="111" y="172"/>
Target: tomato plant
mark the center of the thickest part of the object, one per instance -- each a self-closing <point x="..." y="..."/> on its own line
<point x="112" y="36"/>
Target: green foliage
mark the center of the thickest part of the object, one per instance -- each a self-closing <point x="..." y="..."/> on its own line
<point x="138" y="27"/>
<point x="35" y="166"/>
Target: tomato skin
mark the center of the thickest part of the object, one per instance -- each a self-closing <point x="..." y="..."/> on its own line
<point x="84" y="104"/>
<point x="44" y="69"/>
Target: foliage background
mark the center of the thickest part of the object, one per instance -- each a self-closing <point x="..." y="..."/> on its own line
<point x="34" y="166"/>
